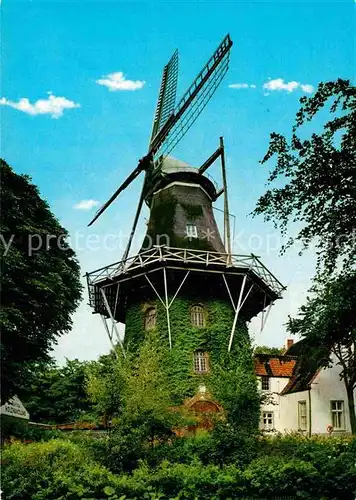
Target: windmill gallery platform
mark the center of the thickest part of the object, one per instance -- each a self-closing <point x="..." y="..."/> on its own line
<point x="182" y="215"/>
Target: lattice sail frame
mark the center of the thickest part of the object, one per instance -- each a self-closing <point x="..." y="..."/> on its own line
<point x="167" y="95"/>
<point x="193" y="102"/>
<point x="196" y="107"/>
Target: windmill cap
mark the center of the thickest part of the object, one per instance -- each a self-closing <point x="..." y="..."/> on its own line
<point x="171" y="165"/>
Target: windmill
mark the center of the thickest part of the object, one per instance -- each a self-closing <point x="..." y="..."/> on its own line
<point x="184" y="273"/>
<point x="171" y="122"/>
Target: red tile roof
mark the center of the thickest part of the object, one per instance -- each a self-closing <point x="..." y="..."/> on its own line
<point x="274" y="366"/>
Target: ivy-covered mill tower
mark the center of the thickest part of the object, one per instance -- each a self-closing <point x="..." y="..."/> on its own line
<point x="184" y="289"/>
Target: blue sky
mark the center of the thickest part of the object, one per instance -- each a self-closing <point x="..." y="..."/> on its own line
<point x="66" y="47"/>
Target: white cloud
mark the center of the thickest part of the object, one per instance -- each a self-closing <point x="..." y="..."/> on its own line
<point x="279" y="84"/>
<point x="241" y="86"/>
<point x="306" y="87"/>
<point x="86" y="204"/>
<point x="117" y="81"/>
<point x="53" y="105"/>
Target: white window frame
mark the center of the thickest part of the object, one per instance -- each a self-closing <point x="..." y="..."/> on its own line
<point x="197" y="316"/>
<point x="200" y="362"/>
<point x="266" y="416"/>
<point x="302" y="414"/>
<point x="337" y="409"/>
<point x="191" y="231"/>
<point x="265" y="378"/>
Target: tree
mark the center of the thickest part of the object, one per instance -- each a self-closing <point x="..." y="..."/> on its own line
<point x="58" y="394"/>
<point x="264" y="349"/>
<point x="328" y="321"/>
<point x="319" y="192"/>
<point x="133" y="391"/>
<point x="319" y="176"/>
<point x="40" y="280"/>
<point x="104" y="385"/>
<point x="147" y="399"/>
<point x="236" y="389"/>
<point x="134" y="396"/>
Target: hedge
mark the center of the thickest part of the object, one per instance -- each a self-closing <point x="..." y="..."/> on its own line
<point x="291" y="467"/>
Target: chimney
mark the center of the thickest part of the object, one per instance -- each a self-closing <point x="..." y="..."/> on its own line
<point x="288" y="344"/>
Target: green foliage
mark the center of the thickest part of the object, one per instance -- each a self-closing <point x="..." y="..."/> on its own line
<point x="221" y="446"/>
<point x="319" y="177"/>
<point x="40" y="288"/>
<point x="54" y="470"/>
<point x="319" y="193"/>
<point x="153" y="378"/>
<point x="284" y="467"/>
<point x="57" y="394"/>
<point x="175" y="481"/>
<point x="265" y="349"/>
<point x="105" y="381"/>
<point x="143" y="416"/>
<point x="332" y="458"/>
<point x="278" y="476"/>
<point x="235" y="385"/>
<point x="146" y="389"/>
<point x="177" y="362"/>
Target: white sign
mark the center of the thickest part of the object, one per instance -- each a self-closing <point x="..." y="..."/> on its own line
<point x="14" y="408"/>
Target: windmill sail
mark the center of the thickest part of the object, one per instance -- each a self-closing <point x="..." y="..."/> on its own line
<point x="167" y="95"/>
<point x="193" y="101"/>
<point x="171" y="124"/>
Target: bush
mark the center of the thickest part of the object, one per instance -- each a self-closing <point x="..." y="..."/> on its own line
<point x="283" y="467"/>
<point x="221" y="446"/>
<point x="57" y="469"/>
<point x="176" y="481"/>
<point x="277" y="476"/>
<point x="332" y="457"/>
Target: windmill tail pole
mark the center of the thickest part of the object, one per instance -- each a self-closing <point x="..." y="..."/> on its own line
<point x="227" y="237"/>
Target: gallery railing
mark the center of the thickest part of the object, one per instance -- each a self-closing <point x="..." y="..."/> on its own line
<point x="186" y="256"/>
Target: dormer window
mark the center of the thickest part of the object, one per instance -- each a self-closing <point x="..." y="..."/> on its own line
<point x="265" y="383"/>
<point x="197" y="316"/>
<point x="191" y="231"/>
<point x="150" y="318"/>
<point x="201" y="364"/>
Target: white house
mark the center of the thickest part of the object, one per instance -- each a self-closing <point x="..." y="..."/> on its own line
<point x="301" y="395"/>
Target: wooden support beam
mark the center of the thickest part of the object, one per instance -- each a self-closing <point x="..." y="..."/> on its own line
<point x="240" y="303"/>
<point x="180" y="286"/>
<point x="227" y="240"/>
<point x="110" y="336"/>
<point x="167" y="307"/>
<point x="219" y="193"/>
<point x="106" y="303"/>
<point x="264" y="320"/>
<point x="229" y="292"/>
<point x="237" y="312"/>
<point x="210" y="160"/>
<point x="115" y="305"/>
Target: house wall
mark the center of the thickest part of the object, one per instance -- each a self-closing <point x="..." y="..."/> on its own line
<point x="274" y="401"/>
<point x="326" y="387"/>
<point x="289" y="411"/>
